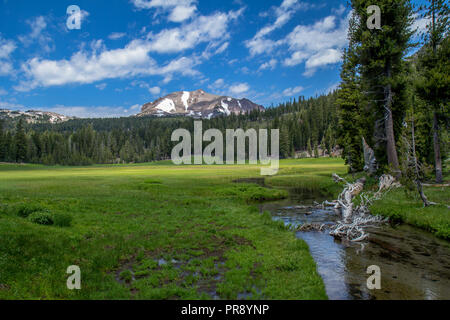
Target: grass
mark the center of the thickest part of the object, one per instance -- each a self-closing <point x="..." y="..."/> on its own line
<point x="401" y="206"/>
<point x="158" y="231"/>
<point x="154" y="231"/>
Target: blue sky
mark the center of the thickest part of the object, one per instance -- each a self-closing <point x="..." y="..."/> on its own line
<point x="130" y="52"/>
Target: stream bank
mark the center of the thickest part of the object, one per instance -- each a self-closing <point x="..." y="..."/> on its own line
<point x="414" y="264"/>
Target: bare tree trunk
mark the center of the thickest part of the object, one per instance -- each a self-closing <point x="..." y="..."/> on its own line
<point x="389" y="127"/>
<point x="424" y="198"/>
<point x="437" y="149"/>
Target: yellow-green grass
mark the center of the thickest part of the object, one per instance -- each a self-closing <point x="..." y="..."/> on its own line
<point x="125" y="218"/>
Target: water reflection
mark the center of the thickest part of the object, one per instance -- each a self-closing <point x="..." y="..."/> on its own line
<point x="414" y="264"/>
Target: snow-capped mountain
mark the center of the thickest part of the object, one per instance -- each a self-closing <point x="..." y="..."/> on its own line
<point x="198" y="104"/>
<point x="33" y="116"/>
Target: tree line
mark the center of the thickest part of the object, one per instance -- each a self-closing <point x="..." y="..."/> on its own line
<point x="305" y="124"/>
<point x="399" y="105"/>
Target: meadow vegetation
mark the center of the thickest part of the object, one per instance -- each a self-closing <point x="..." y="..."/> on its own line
<point x="158" y="231"/>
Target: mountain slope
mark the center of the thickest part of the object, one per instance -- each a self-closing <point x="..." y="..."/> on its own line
<point x="198" y="104"/>
<point x="33" y="116"/>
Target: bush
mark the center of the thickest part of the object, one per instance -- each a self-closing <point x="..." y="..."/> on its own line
<point x="41" y="217"/>
<point x="26" y="209"/>
<point x="62" y="219"/>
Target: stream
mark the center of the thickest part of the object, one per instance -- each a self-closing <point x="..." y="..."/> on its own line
<point x="415" y="265"/>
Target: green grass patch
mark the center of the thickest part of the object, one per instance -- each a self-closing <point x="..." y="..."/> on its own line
<point x="153" y="231"/>
<point x="401" y="206"/>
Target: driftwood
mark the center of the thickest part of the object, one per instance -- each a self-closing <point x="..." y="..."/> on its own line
<point x="355" y="220"/>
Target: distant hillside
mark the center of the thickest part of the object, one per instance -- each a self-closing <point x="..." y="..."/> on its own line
<point x="33" y="116"/>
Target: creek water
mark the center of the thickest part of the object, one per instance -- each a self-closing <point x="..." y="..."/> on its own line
<point x="414" y="264"/>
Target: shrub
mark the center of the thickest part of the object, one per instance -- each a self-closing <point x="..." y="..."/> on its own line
<point x="26" y="209"/>
<point x="126" y="275"/>
<point x="62" y="219"/>
<point x="41" y="217"/>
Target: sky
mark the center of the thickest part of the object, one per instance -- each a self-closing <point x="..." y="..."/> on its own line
<point x="130" y="52"/>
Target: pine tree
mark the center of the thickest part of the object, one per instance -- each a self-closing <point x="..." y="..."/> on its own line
<point x="434" y="85"/>
<point x="20" y="140"/>
<point x="2" y="143"/>
<point x="349" y="105"/>
<point x="381" y="54"/>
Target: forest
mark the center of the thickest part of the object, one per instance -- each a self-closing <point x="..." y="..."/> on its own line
<point x="397" y="103"/>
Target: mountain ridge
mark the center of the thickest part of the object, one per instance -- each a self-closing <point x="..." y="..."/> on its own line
<point x="197" y="104"/>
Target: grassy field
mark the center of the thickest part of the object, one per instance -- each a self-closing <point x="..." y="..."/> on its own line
<point x="158" y="231"/>
<point x="153" y="232"/>
<point x="401" y="206"/>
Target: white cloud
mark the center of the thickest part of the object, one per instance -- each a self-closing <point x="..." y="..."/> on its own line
<point x="101" y="86"/>
<point x="269" y="65"/>
<point x="154" y="90"/>
<point x="144" y="85"/>
<point x="11" y="106"/>
<point x="289" y="92"/>
<point x="333" y="87"/>
<point x="116" y="35"/>
<point x="37" y="34"/>
<point x="420" y="24"/>
<point x="78" y="111"/>
<point x="317" y="45"/>
<point x="322" y="58"/>
<point x="304" y="45"/>
<point x="222" y="48"/>
<point x="259" y="44"/>
<point x="182" y="13"/>
<point x="92" y="111"/>
<point x="3" y="92"/>
<point x="202" y="29"/>
<point x="6" y="48"/>
<point x="239" y="88"/>
<point x="100" y="64"/>
<point x="180" y="10"/>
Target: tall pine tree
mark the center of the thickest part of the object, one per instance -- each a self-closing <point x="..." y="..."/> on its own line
<point x="381" y="54"/>
<point x="434" y="84"/>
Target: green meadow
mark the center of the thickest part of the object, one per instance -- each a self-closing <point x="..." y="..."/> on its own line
<point x="157" y="231"/>
<point x="154" y="231"/>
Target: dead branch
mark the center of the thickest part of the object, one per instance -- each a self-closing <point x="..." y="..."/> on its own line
<point x="357" y="219"/>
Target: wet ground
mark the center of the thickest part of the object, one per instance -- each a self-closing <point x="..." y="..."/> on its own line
<point x="414" y="264"/>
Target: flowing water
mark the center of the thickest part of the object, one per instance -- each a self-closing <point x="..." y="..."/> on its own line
<point x="414" y="264"/>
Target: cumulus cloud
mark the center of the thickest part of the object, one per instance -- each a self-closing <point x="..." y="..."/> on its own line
<point x="239" y="88"/>
<point x="259" y="44"/>
<point x="317" y="45"/>
<point x="290" y="92"/>
<point x="269" y="65"/>
<point x="202" y="29"/>
<point x="304" y="46"/>
<point x="100" y="64"/>
<point x="180" y="10"/>
<point x="154" y="90"/>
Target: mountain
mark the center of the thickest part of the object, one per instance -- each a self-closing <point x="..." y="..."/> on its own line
<point x="197" y="104"/>
<point x="33" y="116"/>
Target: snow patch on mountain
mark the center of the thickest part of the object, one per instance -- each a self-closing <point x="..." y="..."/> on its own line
<point x="167" y="105"/>
<point x="225" y="108"/>
<point x="185" y="99"/>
